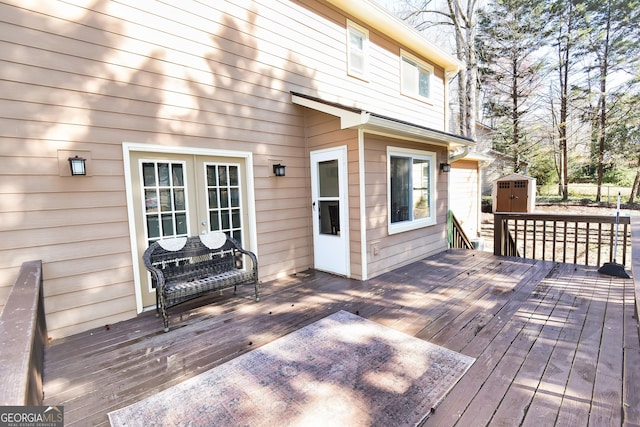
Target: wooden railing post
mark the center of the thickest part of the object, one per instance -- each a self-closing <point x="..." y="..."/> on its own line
<point x="498" y="247"/>
<point x="23" y="336"/>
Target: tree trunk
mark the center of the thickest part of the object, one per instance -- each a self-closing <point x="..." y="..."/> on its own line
<point x="472" y="79"/>
<point x="635" y="190"/>
<point x="464" y="23"/>
<point x="602" y="104"/>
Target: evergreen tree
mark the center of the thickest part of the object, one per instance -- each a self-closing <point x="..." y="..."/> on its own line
<point x="511" y="35"/>
<point x="565" y="19"/>
<point x="612" y="34"/>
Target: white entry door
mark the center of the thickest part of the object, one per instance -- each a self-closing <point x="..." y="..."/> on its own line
<point x="330" y="210"/>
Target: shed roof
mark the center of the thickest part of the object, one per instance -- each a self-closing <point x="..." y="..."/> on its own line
<point x="515" y="177"/>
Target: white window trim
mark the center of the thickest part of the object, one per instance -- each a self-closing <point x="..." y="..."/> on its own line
<point x="400" y="227"/>
<point x="421" y="64"/>
<point x="364" y="75"/>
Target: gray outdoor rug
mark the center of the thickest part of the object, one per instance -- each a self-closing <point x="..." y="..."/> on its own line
<point x="342" y="370"/>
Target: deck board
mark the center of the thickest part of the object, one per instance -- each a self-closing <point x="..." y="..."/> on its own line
<point x="554" y="342"/>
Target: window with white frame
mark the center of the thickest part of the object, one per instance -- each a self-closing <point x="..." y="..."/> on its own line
<point x="357" y="50"/>
<point x="411" y="189"/>
<point x="415" y="77"/>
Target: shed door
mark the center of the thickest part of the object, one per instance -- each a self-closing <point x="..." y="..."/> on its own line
<point x="519" y="196"/>
<point x="512" y="196"/>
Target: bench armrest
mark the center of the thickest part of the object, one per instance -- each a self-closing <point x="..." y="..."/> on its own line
<point x="252" y="256"/>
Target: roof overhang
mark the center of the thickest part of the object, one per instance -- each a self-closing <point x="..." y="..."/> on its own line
<point x="375" y="123"/>
<point x="379" y="18"/>
<point x="474" y="156"/>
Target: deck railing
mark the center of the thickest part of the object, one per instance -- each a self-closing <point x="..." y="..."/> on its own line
<point x="23" y="336"/>
<point x="577" y="239"/>
<point x="457" y="237"/>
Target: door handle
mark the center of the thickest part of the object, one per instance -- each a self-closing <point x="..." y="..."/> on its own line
<point x="313" y="205"/>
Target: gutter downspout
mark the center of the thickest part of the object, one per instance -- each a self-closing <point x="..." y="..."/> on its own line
<point x="459" y="156"/>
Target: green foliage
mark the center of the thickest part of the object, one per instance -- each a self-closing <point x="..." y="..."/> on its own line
<point x="543" y="170"/>
<point x="621" y="176"/>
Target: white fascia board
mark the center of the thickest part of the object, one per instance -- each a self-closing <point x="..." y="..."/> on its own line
<point x="416" y="133"/>
<point x="348" y="119"/>
<point x="382" y="20"/>
<point x="360" y="119"/>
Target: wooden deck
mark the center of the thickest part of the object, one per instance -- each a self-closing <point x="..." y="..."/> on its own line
<point x="556" y="344"/>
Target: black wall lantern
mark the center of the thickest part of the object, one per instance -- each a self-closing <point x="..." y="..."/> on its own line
<point x="445" y="167"/>
<point x="77" y="165"/>
<point x="278" y="170"/>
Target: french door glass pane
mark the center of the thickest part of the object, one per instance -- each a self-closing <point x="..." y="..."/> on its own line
<point x="163" y="174"/>
<point x="167" y="225"/>
<point x="214" y="223"/>
<point x="153" y="227"/>
<point x="213" y="199"/>
<point x="226" y="223"/>
<point x="165" y="200"/>
<point x="234" y="178"/>
<point x="178" y="176"/>
<point x="179" y="201"/>
<point x="151" y="200"/>
<point x="224" y="198"/>
<point x="235" y="197"/>
<point x="235" y="216"/>
<point x="181" y="223"/>
<point x="222" y="176"/>
<point x="148" y="175"/>
<point x="212" y="176"/>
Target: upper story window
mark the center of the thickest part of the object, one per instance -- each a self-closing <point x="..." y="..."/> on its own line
<point x="415" y="77"/>
<point x="357" y="50"/>
<point x="411" y="189"/>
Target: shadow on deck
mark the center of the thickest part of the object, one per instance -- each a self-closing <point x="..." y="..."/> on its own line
<point x="556" y="344"/>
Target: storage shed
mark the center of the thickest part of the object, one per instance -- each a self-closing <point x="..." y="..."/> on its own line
<point x="514" y="193"/>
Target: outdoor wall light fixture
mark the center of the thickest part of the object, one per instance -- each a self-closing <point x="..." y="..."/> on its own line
<point x="77" y="165"/>
<point x="445" y="167"/>
<point x="278" y="170"/>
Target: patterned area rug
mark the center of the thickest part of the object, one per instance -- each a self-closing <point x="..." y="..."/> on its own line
<point x="342" y="370"/>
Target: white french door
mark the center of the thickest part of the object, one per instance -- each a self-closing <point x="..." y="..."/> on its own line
<point x="178" y="195"/>
<point x="330" y="210"/>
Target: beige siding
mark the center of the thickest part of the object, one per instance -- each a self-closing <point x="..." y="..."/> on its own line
<point x="385" y="251"/>
<point x="464" y="196"/>
<point x="88" y="76"/>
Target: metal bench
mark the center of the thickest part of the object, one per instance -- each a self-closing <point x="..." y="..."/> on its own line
<point x="184" y="268"/>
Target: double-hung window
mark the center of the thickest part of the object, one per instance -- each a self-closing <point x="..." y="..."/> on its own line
<point x="357" y="50"/>
<point x="415" y="77"/>
<point x="411" y="189"/>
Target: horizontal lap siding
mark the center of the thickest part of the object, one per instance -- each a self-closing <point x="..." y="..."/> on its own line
<point x="215" y="75"/>
<point x="401" y="248"/>
<point x="75" y="86"/>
